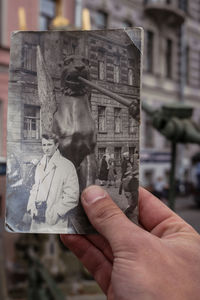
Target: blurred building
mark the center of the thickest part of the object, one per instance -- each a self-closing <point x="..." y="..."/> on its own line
<point x="20" y="15"/>
<point x="171" y="65"/>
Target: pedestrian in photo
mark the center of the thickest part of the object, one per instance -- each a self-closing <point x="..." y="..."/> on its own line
<point x="124" y="165"/>
<point x="103" y="173"/>
<point x="112" y="173"/>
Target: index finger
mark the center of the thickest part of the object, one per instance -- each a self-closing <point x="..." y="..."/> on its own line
<point x="152" y="212"/>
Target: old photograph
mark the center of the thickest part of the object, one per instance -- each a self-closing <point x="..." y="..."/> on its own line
<point x="73" y="121"/>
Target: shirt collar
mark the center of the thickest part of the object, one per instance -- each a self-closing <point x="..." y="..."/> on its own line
<point x="54" y="160"/>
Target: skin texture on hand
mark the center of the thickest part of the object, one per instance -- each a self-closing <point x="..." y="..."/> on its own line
<point x="159" y="260"/>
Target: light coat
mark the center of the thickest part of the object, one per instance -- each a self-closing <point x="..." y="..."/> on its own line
<point x="57" y="184"/>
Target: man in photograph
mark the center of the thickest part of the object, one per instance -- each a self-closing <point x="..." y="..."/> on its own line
<point x="55" y="191"/>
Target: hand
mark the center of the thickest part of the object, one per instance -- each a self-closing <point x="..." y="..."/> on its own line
<point x="159" y="260"/>
<point x="33" y="211"/>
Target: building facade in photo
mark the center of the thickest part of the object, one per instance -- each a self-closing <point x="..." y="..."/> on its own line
<point x="111" y="67"/>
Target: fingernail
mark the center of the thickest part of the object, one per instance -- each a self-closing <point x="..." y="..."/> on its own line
<point x="93" y="194"/>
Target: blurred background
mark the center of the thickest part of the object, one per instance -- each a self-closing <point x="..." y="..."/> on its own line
<point x="170" y="89"/>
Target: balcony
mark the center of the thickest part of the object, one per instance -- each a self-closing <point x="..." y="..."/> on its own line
<point x="171" y="12"/>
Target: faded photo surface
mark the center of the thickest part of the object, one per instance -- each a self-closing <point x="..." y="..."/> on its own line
<point x="73" y="121"/>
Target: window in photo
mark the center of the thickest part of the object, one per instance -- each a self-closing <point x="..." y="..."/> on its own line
<point x="29" y="54"/>
<point x="116" y="73"/>
<point x="117" y="120"/>
<point x="31" y="122"/>
<point x="101" y="118"/>
<point x="117" y="155"/>
<point x="101" y="69"/>
<point x="130" y="76"/>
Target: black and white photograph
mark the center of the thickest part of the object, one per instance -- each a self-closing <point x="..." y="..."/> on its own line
<point x="73" y="121"/>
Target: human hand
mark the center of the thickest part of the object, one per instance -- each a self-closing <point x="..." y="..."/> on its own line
<point x="160" y="260"/>
<point x="32" y="211"/>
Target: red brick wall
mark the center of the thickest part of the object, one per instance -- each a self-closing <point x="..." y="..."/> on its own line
<point x="69" y="10"/>
<point x="4" y="100"/>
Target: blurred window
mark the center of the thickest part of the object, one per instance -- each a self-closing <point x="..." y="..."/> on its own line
<point x="150" y="50"/>
<point x="101" y="118"/>
<point x="187" y="64"/>
<point x="149" y="133"/>
<point x="47" y="13"/>
<point x="101" y="19"/>
<point x="31" y="122"/>
<point x="168" y="58"/>
<point x="117" y="120"/>
<point x="183" y="4"/>
<point x="2" y="169"/>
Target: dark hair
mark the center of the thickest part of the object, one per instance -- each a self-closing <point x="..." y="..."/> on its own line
<point x="50" y="136"/>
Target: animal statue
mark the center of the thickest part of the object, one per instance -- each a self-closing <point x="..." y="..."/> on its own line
<point x="71" y="118"/>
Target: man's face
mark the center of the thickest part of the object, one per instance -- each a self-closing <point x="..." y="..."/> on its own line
<point x="49" y="147"/>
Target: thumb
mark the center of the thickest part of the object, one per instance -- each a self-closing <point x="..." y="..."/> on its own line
<point x="106" y="216"/>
